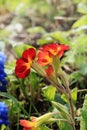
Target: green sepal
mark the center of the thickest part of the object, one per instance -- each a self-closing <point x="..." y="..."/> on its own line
<point x="56" y="63"/>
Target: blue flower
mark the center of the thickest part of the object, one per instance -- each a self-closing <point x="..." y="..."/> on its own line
<point x="3" y="81"/>
<point x="3" y="114"/>
<point x="2" y="58"/>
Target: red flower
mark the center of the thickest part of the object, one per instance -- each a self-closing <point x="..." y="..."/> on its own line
<point x="24" y="63"/>
<point x="28" y="125"/>
<point x="49" y="71"/>
<point x="48" y="51"/>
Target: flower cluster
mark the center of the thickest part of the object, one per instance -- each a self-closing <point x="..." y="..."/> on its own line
<point x="3" y="81"/>
<point x="3" y="114"/>
<point x="44" y="58"/>
<point x="46" y="53"/>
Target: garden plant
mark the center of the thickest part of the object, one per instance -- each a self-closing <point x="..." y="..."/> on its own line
<point x="43" y="65"/>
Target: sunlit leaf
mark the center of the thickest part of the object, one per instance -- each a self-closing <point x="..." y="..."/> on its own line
<point x="80" y="22"/>
<point x="43" y="41"/>
<point x="49" y="92"/>
<point x="60" y="37"/>
<point x="73" y="94"/>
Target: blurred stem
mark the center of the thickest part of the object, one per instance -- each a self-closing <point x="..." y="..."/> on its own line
<point x="27" y="97"/>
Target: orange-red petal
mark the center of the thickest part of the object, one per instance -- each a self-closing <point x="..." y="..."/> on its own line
<point x="23" y="64"/>
<point x="21" y="69"/>
<point x="52" y="48"/>
<point x="30" y="53"/>
<point x="44" y="58"/>
<point x="27" y="124"/>
<point x="55" y="49"/>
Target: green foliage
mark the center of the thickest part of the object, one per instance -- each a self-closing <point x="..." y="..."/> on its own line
<point x="20" y="48"/>
<point x="34" y="80"/>
<point x="64" y="126"/>
<point x="49" y="92"/>
<point x="83" y="120"/>
<point x="43" y="127"/>
<point x="37" y="29"/>
<point x="82" y="21"/>
<point x="15" y="101"/>
<point x="60" y="36"/>
<point x="75" y="37"/>
<point x="73" y="94"/>
<point x="44" y="40"/>
<point x="62" y="109"/>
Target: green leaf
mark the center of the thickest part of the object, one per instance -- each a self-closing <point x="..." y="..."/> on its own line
<point x="62" y="109"/>
<point x="73" y="95"/>
<point x="8" y="95"/>
<point x="43" y="41"/>
<point x="34" y="80"/>
<point x="60" y="37"/>
<point x="9" y="68"/>
<point x="49" y="92"/>
<point x="37" y="29"/>
<point x="43" y="127"/>
<point x="83" y="121"/>
<point x="82" y="21"/>
<point x="20" y="48"/>
<point x="3" y="127"/>
<point x="64" y="126"/>
<point x="83" y="69"/>
<point x="56" y="63"/>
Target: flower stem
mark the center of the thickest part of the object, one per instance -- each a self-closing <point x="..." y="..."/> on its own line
<point x="69" y="97"/>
